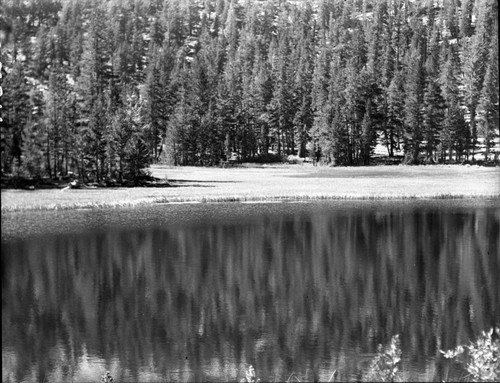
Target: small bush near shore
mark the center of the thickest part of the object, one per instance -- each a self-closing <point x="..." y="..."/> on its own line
<point x="385" y="367"/>
<point x="481" y="358"/>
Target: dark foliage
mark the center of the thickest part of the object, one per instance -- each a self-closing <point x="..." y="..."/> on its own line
<point x="263" y="79"/>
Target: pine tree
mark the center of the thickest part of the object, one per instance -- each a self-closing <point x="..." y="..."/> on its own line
<point x="367" y="136"/>
<point x="60" y="119"/>
<point x="228" y="107"/>
<point x="263" y="89"/>
<point x="330" y="130"/>
<point x="231" y="31"/>
<point x="280" y="106"/>
<point x="395" y="113"/>
<point x="338" y="137"/>
<point x="454" y="132"/>
<point x="488" y="103"/>
<point x="387" y="72"/>
<point x="414" y="88"/>
<point x="433" y="113"/>
<point x="136" y="26"/>
<point x="15" y="114"/>
<point x="450" y="15"/>
<point x="303" y="118"/>
<point x="128" y="152"/>
<point x="245" y="57"/>
<point x="93" y="84"/>
<point x="466" y="29"/>
<point x="41" y="59"/>
<point x="35" y="139"/>
<point x="320" y="77"/>
<point x="474" y="59"/>
<point x="183" y="132"/>
<point x="156" y="107"/>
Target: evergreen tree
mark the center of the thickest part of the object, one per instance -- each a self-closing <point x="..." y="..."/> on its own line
<point x="15" y="114"/>
<point x="394" y="132"/>
<point x="474" y="58"/>
<point x="156" y="107"/>
<point x="488" y="103"/>
<point x="454" y="133"/>
<point x="59" y="121"/>
<point x="35" y="138"/>
<point x="263" y="90"/>
<point x="414" y="89"/>
<point x="93" y="84"/>
<point x="303" y="118"/>
<point x="367" y="136"/>
<point x="433" y="113"/>
<point x="128" y="152"/>
<point x="466" y="28"/>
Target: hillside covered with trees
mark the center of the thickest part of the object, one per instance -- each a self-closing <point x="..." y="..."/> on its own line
<point x="104" y="88"/>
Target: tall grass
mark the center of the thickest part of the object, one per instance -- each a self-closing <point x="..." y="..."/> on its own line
<point x="236" y="198"/>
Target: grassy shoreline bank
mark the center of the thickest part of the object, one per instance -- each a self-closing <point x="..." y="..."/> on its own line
<point x="235" y="199"/>
<point x="273" y="184"/>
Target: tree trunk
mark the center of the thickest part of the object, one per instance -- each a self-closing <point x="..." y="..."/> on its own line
<point x="48" y="158"/>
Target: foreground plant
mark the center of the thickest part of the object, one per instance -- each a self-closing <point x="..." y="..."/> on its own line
<point x="385" y="366"/>
<point x="106" y="378"/>
<point x="482" y="357"/>
<point x="250" y="376"/>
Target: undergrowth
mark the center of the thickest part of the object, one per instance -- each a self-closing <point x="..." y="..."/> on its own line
<point x="481" y="358"/>
<point x="385" y="367"/>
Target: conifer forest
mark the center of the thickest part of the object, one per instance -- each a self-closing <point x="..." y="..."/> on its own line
<point x="102" y="89"/>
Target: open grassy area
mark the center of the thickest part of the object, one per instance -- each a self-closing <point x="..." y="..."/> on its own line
<point x="269" y="183"/>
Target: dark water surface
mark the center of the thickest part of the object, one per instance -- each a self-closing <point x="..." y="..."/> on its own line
<point x="198" y="292"/>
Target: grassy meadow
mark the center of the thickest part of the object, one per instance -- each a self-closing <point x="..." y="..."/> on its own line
<point x="273" y="183"/>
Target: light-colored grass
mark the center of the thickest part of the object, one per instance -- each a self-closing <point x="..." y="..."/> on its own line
<point x="274" y="183"/>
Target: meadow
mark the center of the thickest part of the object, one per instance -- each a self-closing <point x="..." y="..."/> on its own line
<point x="265" y="183"/>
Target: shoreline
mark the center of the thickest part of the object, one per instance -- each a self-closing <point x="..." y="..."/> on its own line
<point x="247" y="200"/>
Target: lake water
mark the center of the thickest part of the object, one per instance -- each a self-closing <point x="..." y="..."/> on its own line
<point x="199" y="292"/>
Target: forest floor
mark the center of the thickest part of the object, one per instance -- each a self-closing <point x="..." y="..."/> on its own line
<point x="265" y="183"/>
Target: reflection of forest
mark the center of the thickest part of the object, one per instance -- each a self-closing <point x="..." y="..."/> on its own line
<point x="306" y="293"/>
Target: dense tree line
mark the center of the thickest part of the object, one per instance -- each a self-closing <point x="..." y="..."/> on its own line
<point x="104" y="88"/>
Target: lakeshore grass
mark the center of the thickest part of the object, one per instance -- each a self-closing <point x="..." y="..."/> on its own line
<point x="279" y="183"/>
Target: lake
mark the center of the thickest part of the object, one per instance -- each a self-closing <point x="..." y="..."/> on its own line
<point x="199" y="292"/>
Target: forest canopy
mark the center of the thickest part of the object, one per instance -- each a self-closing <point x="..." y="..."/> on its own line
<point x="101" y="89"/>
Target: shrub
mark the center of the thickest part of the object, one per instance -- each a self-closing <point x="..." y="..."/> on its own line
<point x="482" y="357"/>
<point x="250" y="376"/>
<point x="293" y="159"/>
<point x="106" y="378"/>
<point x="385" y="366"/>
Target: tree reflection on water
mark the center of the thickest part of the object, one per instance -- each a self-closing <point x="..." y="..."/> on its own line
<point x="307" y="293"/>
